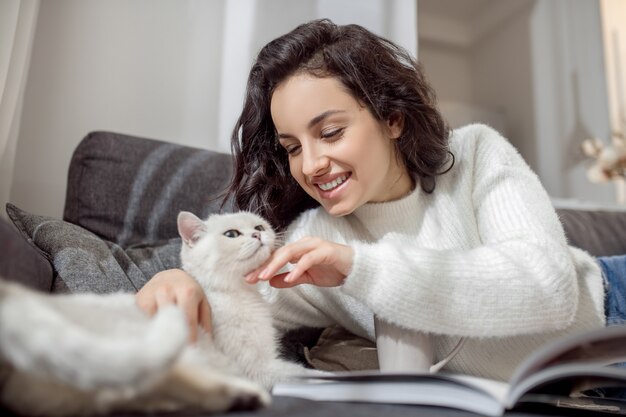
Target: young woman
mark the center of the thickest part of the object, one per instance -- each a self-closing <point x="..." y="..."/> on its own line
<point x="389" y="214"/>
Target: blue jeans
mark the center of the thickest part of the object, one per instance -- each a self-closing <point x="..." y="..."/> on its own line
<point x="614" y="274"/>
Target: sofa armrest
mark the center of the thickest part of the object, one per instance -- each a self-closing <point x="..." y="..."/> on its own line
<point x="128" y="189"/>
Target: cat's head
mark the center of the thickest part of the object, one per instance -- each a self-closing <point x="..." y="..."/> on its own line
<point x="230" y="244"/>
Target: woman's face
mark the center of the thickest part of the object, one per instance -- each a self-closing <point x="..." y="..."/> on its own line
<point x="338" y="152"/>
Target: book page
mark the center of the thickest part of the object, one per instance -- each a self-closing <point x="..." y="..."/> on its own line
<point x="568" y="378"/>
<point x="453" y="391"/>
<point x="601" y="347"/>
<point x="496" y="389"/>
<point x="559" y="367"/>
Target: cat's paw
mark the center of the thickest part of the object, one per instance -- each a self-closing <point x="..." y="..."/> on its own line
<point x="249" y="397"/>
<point x="237" y="394"/>
<point x="216" y="392"/>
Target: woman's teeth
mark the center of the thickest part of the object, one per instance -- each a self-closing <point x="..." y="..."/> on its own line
<point x="330" y="185"/>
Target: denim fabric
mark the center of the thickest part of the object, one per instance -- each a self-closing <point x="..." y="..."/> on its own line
<point x="614" y="272"/>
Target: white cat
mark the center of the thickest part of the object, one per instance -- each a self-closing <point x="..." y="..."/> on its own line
<point x="218" y="253"/>
<point x="78" y="354"/>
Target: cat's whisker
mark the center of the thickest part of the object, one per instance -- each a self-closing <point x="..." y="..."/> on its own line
<point x="280" y="239"/>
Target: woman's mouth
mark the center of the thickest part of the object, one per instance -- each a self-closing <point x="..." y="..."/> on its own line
<point x="332" y="189"/>
<point x="334" y="183"/>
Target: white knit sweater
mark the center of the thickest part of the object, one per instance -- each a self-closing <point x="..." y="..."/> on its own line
<point x="483" y="256"/>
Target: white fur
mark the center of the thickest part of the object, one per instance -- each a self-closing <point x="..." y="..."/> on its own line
<point x="86" y="354"/>
<point x="79" y="354"/>
<point x="109" y="325"/>
<point x="242" y="321"/>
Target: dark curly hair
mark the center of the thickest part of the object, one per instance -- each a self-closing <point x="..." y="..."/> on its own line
<point x="376" y="72"/>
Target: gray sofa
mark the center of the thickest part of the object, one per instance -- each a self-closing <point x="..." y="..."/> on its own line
<point x="119" y="229"/>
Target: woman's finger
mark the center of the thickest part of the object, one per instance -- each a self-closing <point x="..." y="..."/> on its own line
<point x="205" y="315"/>
<point x="290" y="253"/>
<point x="305" y="262"/>
<point x="191" y="310"/>
<point x="253" y="276"/>
<point x="278" y="281"/>
<point x="163" y="297"/>
<point x="147" y="304"/>
<point x="190" y="299"/>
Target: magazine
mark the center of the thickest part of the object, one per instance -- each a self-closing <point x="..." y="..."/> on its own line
<point x="557" y="374"/>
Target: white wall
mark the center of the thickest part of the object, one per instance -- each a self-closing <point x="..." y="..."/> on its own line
<point x="18" y="19"/>
<point x="470" y="53"/>
<point x="500" y="63"/>
<point x="165" y="69"/>
<point x="570" y="96"/>
<point x="614" y="36"/>
<point x="114" y="65"/>
<point x="538" y="64"/>
<point x="449" y="69"/>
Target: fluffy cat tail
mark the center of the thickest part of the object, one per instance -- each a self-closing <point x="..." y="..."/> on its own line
<point x="41" y="337"/>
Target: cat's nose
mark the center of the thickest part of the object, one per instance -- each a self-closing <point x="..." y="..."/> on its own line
<point x="256" y="235"/>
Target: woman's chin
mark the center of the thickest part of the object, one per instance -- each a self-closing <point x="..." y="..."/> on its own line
<point x="338" y="210"/>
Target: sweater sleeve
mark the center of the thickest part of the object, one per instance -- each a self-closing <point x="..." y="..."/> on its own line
<point x="519" y="279"/>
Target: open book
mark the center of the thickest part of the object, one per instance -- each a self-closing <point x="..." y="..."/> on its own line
<point x="557" y="374"/>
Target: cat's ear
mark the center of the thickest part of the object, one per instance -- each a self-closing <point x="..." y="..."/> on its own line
<point x="190" y="228"/>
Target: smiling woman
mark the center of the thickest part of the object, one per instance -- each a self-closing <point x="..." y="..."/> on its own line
<point x="338" y="152"/>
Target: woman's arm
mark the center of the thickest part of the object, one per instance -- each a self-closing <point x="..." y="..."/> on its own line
<point x="519" y="278"/>
<point x="175" y="286"/>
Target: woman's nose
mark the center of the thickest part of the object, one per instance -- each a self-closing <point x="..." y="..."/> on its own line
<point x="314" y="162"/>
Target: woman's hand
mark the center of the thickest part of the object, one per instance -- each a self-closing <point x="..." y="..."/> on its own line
<point x="317" y="261"/>
<point x="175" y="286"/>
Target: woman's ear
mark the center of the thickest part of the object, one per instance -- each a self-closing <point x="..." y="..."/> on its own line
<point x="395" y="125"/>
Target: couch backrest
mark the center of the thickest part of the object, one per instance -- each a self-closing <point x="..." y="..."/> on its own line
<point x="128" y="189"/>
<point x="598" y="231"/>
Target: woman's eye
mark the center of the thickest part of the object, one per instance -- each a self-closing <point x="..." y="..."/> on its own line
<point x="232" y="233"/>
<point x="260" y="228"/>
<point x="332" y="134"/>
<point x="292" y="150"/>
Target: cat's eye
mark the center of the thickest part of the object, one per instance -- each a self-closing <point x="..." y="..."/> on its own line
<point x="232" y="233"/>
<point x="260" y="228"/>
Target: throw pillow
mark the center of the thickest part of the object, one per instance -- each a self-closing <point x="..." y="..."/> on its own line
<point x="20" y="262"/>
<point x="83" y="261"/>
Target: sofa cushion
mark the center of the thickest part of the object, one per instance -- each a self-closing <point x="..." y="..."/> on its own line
<point x="599" y="232"/>
<point x="129" y="189"/>
<point x="21" y="262"/>
<point x="84" y="262"/>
